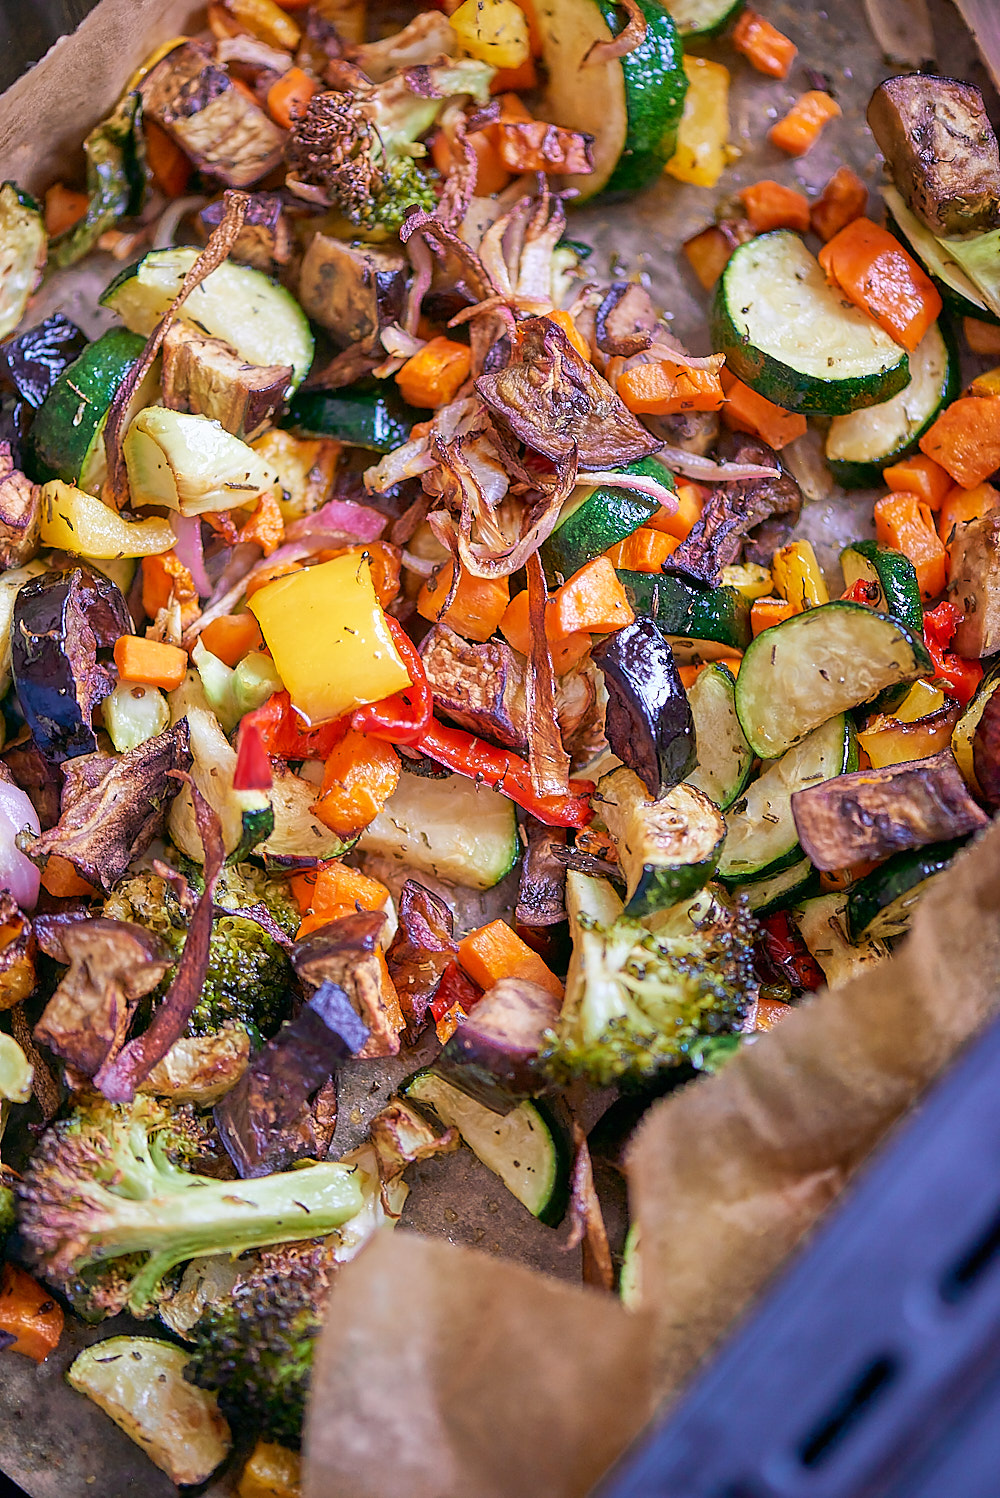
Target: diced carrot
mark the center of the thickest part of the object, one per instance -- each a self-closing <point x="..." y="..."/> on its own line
<point x="644" y="551"/>
<point x="987" y="383"/>
<point x="690" y="673"/>
<point x="63" y="208"/>
<point x="667" y="387"/>
<point x="331" y="891"/>
<point x="771" y="205"/>
<point x="29" y="1313"/>
<point x="475" y="611"/>
<point x="843" y="199"/>
<point x="746" y="411"/>
<point x="766" y="612"/>
<point x="536" y="146"/>
<point x="803" y="124"/>
<point x="269" y="574"/>
<point x="61" y="879"/>
<point x="874" y="272"/>
<point x="244" y="88"/>
<point x="170" y="167"/>
<point x="965" y="439"/>
<point x="496" y="951"/>
<point x="232" y="637"/>
<point x="266" y="526"/>
<point x="919" y="475"/>
<point x="569" y="327"/>
<point x="963" y="505"/>
<point x="165" y="580"/>
<point x="765" y="47"/>
<point x="982" y="337"/>
<point x="513" y="110"/>
<point x="384" y="562"/>
<point x="565" y="652"/>
<point x="360" y="775"/>
<point x="491" y="174"/>
<point x="154" y="663"/>
<point x="506" y="79"/>
<point x="288" y="97"/>
<point x="708" y="254"/>
<point x="593" y="599"/>
<point x="903" y="522"/>
<point x="691" y="499"/>
<point x="434" y="375"/>
<point x="771" y="1012"/>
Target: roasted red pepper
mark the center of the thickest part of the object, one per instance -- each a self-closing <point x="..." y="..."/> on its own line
<point x="862" y="592"/>
<point x="405" y="716"/>
<point x="959" y="676"/>
<point x="253" y="767"/>
<point x="787" y="953"/>
<point x="284" y="735"/>
<point x="506" y="772"/>
<point x="454" y="988"/>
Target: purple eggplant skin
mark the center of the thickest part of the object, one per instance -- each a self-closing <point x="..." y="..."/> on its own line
<point x="649" y="723"/>
<point x="31" y="362"/>
<point x="491" y="1055"/>
<point x="64" y="627"/>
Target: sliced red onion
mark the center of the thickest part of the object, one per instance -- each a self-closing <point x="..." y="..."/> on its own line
<point x="187" y="529"/>
<point x="638" y="484"/>
<point x="694" y="467"/>
<point x="17" y="873"/>
<point x="358" y="522"/>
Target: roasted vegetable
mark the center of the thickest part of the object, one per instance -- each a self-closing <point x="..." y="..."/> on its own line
<point x="265" y="240"/>
<point x="24" y="248"/>
<point x="189" y="463"/>
<point x="206" y="376"/>
<point x="974" y="586"/>
<point x="116" y="180"/>
<point x="346" y="953"/>
<point x="493" y="1054"/>
<point x="30" y="364"/>
<point x="649" y="723"/>
<point x="352" y="290"/>
<point x="478" y="686"/>
<point x="20" y="508"/>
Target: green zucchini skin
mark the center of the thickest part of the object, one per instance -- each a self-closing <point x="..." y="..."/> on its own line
<point x="25" y="246"/>
<point x="668" y="848"/>
<point x="925" y="250"/>
<point x="655" y="88"/>
<point x="895" y="575"/>
<point x="701" y="19"/>
<point x="786" y="887"/>
<point x="880" y="905"/>
<point x="377" y="420"/>
<point x="72" y="416"/>
<point x="603" y="518"/>
<point x="699" y="622"/>
<point x="725" y="759"/>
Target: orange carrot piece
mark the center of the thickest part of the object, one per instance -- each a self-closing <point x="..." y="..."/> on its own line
<point x="508" y="79"/>
<point x="266" y="526"/>
<point x="665" y="388"/>
<point x="690" y="673"/>
<point x="170" y="167"/>
<point x="708" y="254"/>
<point x="963" y="505"/>
<point x="771" y="205"/>
<point x="802" y="126"/>
<point x="982" y="337"/>
<point x="29" y="1313"/>
<point x="919" y="475"/>
<point x="331" y="891"/>
<point x="766" y="48"/>
<point x="360" y="775"/>
<point x="475" y="611"/>
<point x="843" y="199"/>
<point x="165" y="579"/>
<point x="875" y="273"/>
<point x="496" y="951"/>
<point x="566" y="652"/>
<point x="61" y="879"/>
<point x="746" y="411"/>
<point x="965" y="439"/>
<point x="691" y="499"/>
<point x="771" y="1012"/>
<point x="766" y="612"/>
<point x="288" y="97"/>
<point x="644" y="551"/>
<point x="384" y="563"/>
<point x="564" y="320"/>
<point x="153" y="663"/>
<point x="903" y="522"/>
<point x="268" y="575"/>
<point x="435" y="374"/>
<point x="63" y="208"/>
<point x="593" y="599"/>
<point x="491" y="174"/>
<point x="232" y="637"/>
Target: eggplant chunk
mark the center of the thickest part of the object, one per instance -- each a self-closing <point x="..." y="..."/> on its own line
<point x="649" y="724"/>
<point x="265" y="241"/>
<point x="206" y="376"/>
<point x="541" y="896"/>
<point x="748" y="517"/>
<point x="346" y="952"/>
<point x="941" y="151"/>
<point x="974" y="586"/>
<point x="873" y="813"/>
<point x="224" y="132"/>
<point x="491" y="1055"/>
<point x="20" y="513"/>
<point x="479" y="687"/>
<point x="352" y="290"/>
<point x="986" y="752"/>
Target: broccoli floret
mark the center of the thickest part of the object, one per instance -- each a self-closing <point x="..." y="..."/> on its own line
<point x="114" y="1181"/>
<point x="638" y="1002"/>
<point x="243" y="884"/>
<point x="359" y="148"/>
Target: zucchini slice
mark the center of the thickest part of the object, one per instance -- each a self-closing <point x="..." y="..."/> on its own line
<point x="23" y="251"/>
<point x="253" y="314"/>
<point x="668" y="849"/>
<point x="798" y="674"/>
<point x="378" y="420"/>
<point x="701" y="624"/>
<point x="880" y="906"/>
<point x="899" y="597"/>
<point x="595" y="519"/>
<point x="450" y="827"/>
<point x="822" y="922"/>
<point x="959" y="292"/>
<point x="762" y="839"/>
<point x="725" y="759"/>
<point x="965" y="729"/>
<point x="703" y="18"/>
<point x="632" y="105"/>
<point x="860" y="445"/>
<point x="527" y="1147"/>
<point x="765" y="896"/>
<point x="793" y="339"/>
<point x="67" y="435"/>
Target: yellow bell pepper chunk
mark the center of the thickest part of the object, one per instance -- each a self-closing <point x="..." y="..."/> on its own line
<point x="272" y="1472"/>
<point x="920" y="701"/>
<point x="327" y="633"/>
<point x="493" y="31"/>
<point x="798" y="577"/>
<point x="75" y="521"/>
<point x="750" y="579"/>
<point x="891" y="741"/>
<point x="267" y="21"/>
<point x="702" y="153"/>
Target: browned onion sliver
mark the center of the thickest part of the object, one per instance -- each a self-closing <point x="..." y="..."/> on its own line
<point x="631" y="36"/>
<point x="694" y="467"/>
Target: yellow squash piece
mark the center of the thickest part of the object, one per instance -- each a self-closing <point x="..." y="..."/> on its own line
<point x="272" y="1472"/>
<point x="329" y="638"/>
<point x="493" y="31"/>
<point x="703" y="151"/>
<point x="798" y="576"/>
<point x="75" y="521"/>
<point x="268" y="22"/>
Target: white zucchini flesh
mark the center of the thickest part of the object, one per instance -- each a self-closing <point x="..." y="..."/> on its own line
<point x="880" y="431"/>
<point x="589" y="98"/>
<point x="823" y="926"/>
<point x="452" y="828"/>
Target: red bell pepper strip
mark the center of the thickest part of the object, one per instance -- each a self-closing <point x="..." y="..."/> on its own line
<point x="404" y="716"/>
<point x="284" y="735"/>
<point x="960" y="676"/>
<point x="506" y="772"/>
<point x="862" y="592"/>
<point x="253" y="767"/>
<point x="788" y="954"/>
<point x="454" y="988"/>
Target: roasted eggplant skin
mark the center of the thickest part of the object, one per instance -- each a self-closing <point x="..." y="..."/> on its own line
<point x="30" y="364"/>
<point x="649" y="723"/>
<point x="64" y="626"/>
